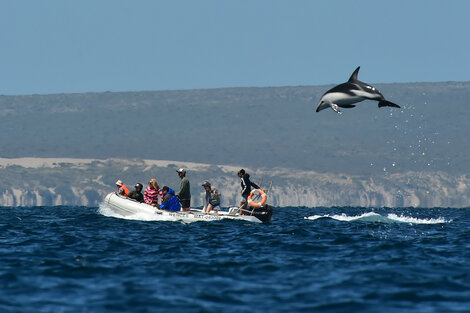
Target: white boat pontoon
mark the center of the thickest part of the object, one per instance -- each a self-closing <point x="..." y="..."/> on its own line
<point x="126" y="207"/>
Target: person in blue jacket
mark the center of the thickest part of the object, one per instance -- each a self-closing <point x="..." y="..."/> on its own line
<point x="170" y="202"/>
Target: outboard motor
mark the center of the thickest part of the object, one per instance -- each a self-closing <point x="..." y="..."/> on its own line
<point x="264" y="214"/>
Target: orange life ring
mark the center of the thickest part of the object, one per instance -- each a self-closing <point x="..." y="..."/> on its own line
<point x="257" y="204"/>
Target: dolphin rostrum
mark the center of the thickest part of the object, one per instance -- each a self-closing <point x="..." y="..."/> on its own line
<point x="352" y="91"/>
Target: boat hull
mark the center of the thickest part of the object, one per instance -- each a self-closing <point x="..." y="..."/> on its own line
<point x="127" y="207"/>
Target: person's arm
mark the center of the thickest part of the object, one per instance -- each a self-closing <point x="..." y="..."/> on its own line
<point x="185" y="188"/>
<point x="181" y="189"/>
<point x="165" y="203"/>
<point x="164" y="206"/>
<point x="146" y="197"/>
<point x="255" y="185"/>
<point x="245" y="185"/>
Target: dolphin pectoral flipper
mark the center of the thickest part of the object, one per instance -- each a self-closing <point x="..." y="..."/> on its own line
<point x="334" y="107"/>
<point x="385" y="103"/>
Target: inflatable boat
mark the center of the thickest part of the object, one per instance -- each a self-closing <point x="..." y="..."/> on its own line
<point x="126" y="207"/>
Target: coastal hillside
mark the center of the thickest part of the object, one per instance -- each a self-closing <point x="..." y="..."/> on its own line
<point x="53" y="181"/>
<point x="69" y="149"/>
<point x="251" y="127"/>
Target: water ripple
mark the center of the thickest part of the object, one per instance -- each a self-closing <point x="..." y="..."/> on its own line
<point x="72" y="259"/>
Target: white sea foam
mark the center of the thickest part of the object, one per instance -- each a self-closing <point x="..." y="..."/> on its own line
<point x="345" y="218"/>
<point x="375" y="217"/>
<point x="414" y="220"/>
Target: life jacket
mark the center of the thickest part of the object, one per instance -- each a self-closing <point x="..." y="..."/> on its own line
<point x="123" y="190"/>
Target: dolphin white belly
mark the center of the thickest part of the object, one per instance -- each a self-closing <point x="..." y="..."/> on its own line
<point x="341" y="98"/>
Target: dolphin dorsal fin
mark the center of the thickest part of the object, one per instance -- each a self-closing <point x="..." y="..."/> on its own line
<point x="353" y="77"/>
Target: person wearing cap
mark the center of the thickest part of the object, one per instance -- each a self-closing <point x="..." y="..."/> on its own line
<point x="212" y="199"/>
<point x="170" y="202"/>
<point x="246" y="184"/>
<point x="152" y="193"/>
<point x="137" y="193"/>
<point x="184" y="194"/>
<point x="122" y="189"/>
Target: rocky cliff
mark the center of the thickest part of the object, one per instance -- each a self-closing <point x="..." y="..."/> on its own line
<point x="47" y="181"/>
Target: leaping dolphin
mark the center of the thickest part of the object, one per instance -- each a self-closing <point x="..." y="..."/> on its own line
<point x="352" y="91"/>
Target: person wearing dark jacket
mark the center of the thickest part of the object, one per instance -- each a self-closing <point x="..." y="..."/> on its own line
<point x="170" y="202"/>
<point x="184" y="195"/>
<point x="137" y="193"/>
<point x="246" y="184"/>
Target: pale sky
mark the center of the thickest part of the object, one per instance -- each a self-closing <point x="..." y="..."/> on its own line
<point x="59" y="46"/>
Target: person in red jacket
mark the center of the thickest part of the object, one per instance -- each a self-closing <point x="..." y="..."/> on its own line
<point x="122" y="189"/>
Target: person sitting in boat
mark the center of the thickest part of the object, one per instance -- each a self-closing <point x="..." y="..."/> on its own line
<point x="152" y="193"/>
<point x="246" y="184"/>
<point x="212" y="199"/>
<point x="170" y="202"/>
<point x="122" y="189"/>
<point x="137" y="193"/>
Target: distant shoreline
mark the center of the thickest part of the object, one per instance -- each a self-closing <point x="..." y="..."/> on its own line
<point x="30" y="181"/>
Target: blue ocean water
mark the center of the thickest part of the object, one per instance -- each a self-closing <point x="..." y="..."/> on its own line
<point x="339" y="259"/>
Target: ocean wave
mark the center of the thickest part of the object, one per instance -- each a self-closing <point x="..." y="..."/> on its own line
<point x="377" y="218"/>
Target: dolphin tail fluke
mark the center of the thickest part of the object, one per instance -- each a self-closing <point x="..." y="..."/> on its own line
<point x="385" y="103"/>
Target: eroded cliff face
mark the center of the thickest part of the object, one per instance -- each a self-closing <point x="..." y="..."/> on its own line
<point x="85" y="182"/>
